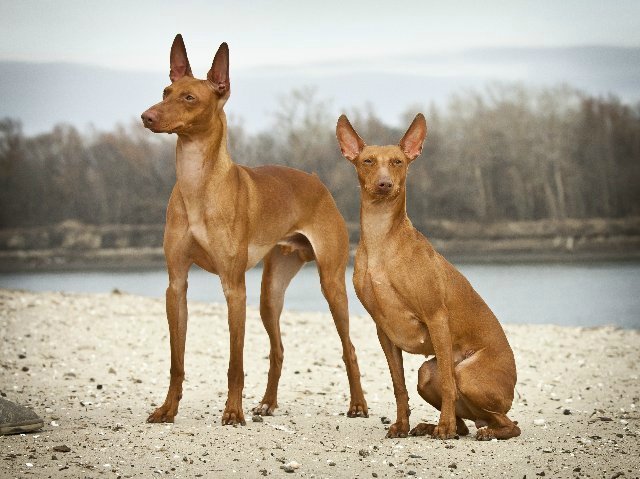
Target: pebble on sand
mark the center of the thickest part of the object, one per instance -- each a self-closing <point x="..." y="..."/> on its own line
<point x="539" y="421"/>
<point x="290" y="466"/>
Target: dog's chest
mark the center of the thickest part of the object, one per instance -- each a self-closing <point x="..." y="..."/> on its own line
<point x="385" y="297"/>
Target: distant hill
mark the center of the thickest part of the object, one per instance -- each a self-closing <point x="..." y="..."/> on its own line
<point x="42" y="94"/>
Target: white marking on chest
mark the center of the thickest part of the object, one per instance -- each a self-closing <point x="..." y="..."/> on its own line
<point x="255" y="253"/>
<point x="378" y="276"/>
<point x="191" y="178"/>
<point x="199" y="233"/>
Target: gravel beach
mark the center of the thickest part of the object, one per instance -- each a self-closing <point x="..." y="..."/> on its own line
<point x="94" y="367"/>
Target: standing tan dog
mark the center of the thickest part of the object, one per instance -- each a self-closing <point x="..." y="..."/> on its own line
<point x="226" y="218"/>
<point x="422" y="305"/>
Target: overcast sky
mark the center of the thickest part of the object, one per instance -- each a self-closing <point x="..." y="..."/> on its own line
<point x="386" y="54"/>
<point x="137" y="34"/>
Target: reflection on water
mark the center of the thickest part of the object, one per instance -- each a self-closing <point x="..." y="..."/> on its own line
<point x="566" y="294"/>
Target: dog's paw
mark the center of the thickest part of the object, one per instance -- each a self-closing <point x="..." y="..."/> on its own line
<point x="398" y="429"/>
<point x="233" y="417"/>
<point x="505" y="432"/>
<point x="162" y="414"/>
<point x="358" y="410"/>
<point x="264" y="409"/>
<point x="423" y="429"/>
<point x="484" y="434"/>
<point x="442" y="431"/>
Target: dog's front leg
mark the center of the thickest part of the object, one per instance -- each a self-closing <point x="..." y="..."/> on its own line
<point x="236" y="295"/>
<point x="394" y="359"/>
<point x="176" y="303"/>
<point x="441" y="340"/>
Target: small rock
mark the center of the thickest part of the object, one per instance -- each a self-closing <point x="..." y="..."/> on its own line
<point x="605" y="418"/>
<point x="287" y="468"/>
<point x="363" y="452"/>
<point x="331" y="463"/>
<point x="112" y="371"/>
<point x="411" y="472"/>
<point x="374" y="474"/>
<point x="541" y="474"/>
<point x="566" y="412"/>
<point x="22" y="356"/>
<point x="99" y="386"/>
<point x="539" y="422"/>
<point x="63" y="448"/>
<point x="453" y="465"/>
<point x="385" y="420"/>
<point x="257" y="418"/>
<point x="25" y="368"/>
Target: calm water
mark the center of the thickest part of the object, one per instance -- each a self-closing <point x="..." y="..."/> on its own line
<point x="567" y="294"/>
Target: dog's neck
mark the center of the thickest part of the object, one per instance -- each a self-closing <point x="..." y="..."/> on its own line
<point x="201" y="159"/>
<point x="380" y="218"/>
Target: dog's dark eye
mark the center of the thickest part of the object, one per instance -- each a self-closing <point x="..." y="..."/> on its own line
<point x="397" y="162"/>
<point x="368" y="161"/>
<point x="189" y="97"/>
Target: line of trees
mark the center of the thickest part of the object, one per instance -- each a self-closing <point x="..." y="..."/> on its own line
<point x="506" y="154"/>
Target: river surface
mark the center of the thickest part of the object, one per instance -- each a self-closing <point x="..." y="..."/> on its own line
<point x="588" y="294"/>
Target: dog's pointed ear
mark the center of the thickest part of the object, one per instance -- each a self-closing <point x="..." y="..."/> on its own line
<point x="178" y="62"/>
<point x="350" y="143"/>
<point x="411" y="143"/>
<point x="219" y="73"/>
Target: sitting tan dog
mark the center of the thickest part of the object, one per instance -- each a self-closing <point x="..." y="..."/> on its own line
<point x="423" y="305"/>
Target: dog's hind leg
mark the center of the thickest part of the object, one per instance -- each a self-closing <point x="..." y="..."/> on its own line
<point x="429" y="389"/>
<point x="485" y="392"/>
<point x="331" y="247"/>
<point x="279" y="269"/>
<point x="486" y="383"/>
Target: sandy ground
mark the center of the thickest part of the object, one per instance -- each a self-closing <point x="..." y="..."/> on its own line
<point x="93" y="366"/>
